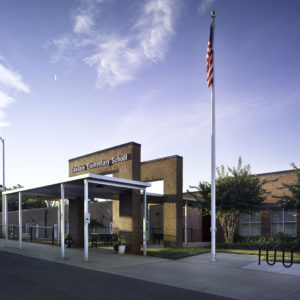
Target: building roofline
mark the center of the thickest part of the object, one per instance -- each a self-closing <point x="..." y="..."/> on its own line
<point x="161" y="158"/>
<point x="277" y="172"/>
<point x="104" y="150"/>
<point x="91" y="178"/>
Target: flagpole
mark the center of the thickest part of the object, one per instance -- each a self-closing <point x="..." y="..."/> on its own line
<point x="213" y="154"/>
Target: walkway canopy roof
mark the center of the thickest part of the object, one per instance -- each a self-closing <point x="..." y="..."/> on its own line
<point x="100" y="186"/>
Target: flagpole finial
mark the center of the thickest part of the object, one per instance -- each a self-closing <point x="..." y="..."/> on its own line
<point x="213" y="13"/>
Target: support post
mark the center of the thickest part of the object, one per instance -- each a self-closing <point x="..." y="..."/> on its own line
<point x="6" y="221"/>
<point x="20" y="221"/>
<point x="185" y="223"/>
<point x="62" y="219"/>
<point x="58" y="222"/>
<point x="3" y="186"/>
<point x="86" y="223"/>
<point x="145" y="224"/>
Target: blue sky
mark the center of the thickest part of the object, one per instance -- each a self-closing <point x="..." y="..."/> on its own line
<point x="130" y="70"/>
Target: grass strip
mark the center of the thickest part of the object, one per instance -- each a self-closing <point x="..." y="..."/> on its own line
<point x="177" y="253"/>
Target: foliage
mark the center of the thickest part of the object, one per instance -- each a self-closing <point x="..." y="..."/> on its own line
<point x="236" y="191"/>
<point x="68" y="236"/>
<point x="292" y="200"/>
<point x="252" y="242"/>
<point x="34" y="203"/>
<point x="95" y="223"/>
<point x="121" y="240"/>
<point x="13" y="202"/>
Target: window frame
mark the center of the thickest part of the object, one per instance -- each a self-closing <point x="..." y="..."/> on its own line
<point x="27" y="228"/>
<point x="250" y="223"/>
<point x="283" y="222"/>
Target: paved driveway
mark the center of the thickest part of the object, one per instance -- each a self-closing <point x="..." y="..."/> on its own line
<point x="24" y="277"/>
<point x="232" y="275"/>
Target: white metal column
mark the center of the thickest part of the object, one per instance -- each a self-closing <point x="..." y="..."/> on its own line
<point x="20" y="221"/>
<point x="6" y="221"/>
<point x="86" y="223"/>
<point x="145" y="223"/>
<point x="213" y="151"/>
<point x="3" y="187"/>
<point x="185" y="222"/>
<point x="62" y="220"/>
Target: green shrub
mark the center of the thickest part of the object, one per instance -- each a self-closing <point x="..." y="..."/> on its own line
<point x="121" y="240"/>
<point x="68" y="236"/>
<point x="252" y="242"/>
<point x="95" y="223"/>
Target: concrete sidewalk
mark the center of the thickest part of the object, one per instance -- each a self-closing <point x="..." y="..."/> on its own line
<point x="234" y="276"/>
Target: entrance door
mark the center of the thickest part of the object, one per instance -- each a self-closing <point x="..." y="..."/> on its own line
<point x="206" y="236"/>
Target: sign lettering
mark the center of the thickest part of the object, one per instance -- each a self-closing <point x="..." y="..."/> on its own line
<point x="102" y="163"/>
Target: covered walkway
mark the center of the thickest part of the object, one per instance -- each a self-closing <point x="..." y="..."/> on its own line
<point x="89" y="186"/>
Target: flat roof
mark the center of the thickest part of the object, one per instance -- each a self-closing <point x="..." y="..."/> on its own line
<point x="100" y="186"/>
<point x="104" y="150"/>
<point x="276" y="172"/>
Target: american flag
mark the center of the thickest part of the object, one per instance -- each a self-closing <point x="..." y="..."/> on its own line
<point x="209" y="58"/>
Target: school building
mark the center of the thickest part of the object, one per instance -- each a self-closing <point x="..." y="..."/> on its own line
<point x="118" y="175"/>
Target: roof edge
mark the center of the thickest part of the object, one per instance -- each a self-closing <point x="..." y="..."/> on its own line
<point x="104" y="150"/>
<point x="161" y="158"/>
<point x="276" y="172"/>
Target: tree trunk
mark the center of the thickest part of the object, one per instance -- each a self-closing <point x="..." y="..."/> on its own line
<point x="228" y="221"/>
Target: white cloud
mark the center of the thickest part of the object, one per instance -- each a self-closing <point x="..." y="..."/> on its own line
<point x="115" y="61"/>
<point x="118" y="57"/>
<point x="4" y="101"/>
<point x="83" y="24"/>
<point x="84" y="15"/>
<point x="12" y="79"/>
<point x="204" y="6"/>
<point x="181" y="122"/>
<point x="10" y="82"/>
<point x="156" y="26"/>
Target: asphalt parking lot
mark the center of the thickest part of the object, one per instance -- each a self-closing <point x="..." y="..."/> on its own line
<point x="23" y="277"/>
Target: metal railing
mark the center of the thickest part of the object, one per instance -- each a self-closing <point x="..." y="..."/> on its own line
<point x="33" y="233"/>
<point x="277" y="248"/>
<point x="102" y="229"/>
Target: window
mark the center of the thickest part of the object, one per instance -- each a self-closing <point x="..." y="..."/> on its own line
<point x="37" y="231"/>
<point x="284" y="221"/>
<point x="55" y="231"/>
<point x="67" y="226"/>
<point x="250" y="224"/>
<point x="26" y="228"/>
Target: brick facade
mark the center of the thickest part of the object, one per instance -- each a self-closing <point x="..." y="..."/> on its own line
<point x="125" y="210"/>
<point x="127" y="206"/>
<point x="102" y="212"/>
<point x="276" y="179"/>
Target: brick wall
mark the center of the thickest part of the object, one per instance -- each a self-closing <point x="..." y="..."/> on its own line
<point x="101" y="211"/>
<point x="194" y="222"/>
<point x="289" y="177"/>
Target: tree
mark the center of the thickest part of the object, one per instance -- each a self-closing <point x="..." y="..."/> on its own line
<point x="13" y="202"/>
<point x="291" y="200"/>
<point x="34" y="203"/>
<point x="237" y="191"/>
